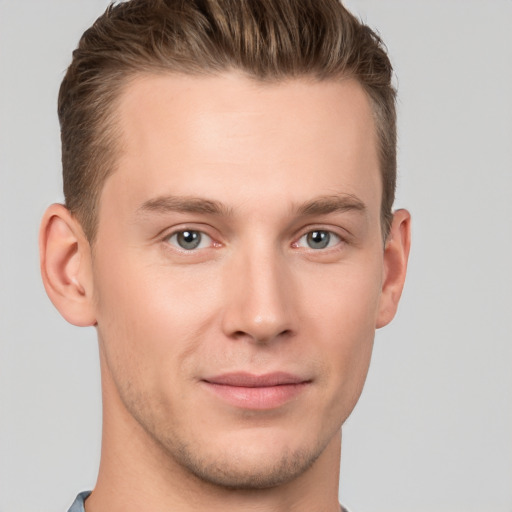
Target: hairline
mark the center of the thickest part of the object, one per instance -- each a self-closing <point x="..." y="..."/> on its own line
<point x="111" y="133"/>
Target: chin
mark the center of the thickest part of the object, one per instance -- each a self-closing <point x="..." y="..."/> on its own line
<point x="242" y="469"/>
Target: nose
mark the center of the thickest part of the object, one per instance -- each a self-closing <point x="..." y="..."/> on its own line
<point x="260" y="297"/>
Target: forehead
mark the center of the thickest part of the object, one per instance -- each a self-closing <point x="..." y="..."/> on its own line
<point x="233" y="139"/>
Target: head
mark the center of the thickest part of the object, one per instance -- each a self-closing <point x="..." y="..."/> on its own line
<point x="229" y="172"/>
<point x="266" y="40"/>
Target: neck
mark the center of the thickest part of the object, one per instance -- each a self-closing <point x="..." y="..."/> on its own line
<point x="136" y="473"/>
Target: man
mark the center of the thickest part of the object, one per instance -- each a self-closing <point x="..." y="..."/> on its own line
<point x="229" y="170"/>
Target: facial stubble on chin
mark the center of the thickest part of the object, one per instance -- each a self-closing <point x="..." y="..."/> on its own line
<point x="226" y="470"/>
<point x="230" y="474"/>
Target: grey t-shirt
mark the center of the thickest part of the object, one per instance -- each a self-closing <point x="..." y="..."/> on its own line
<point x="78" y="504"/>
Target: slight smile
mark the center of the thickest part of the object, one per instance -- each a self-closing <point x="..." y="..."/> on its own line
<point x="257" y="392"/>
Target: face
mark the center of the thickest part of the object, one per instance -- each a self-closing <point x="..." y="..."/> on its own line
<point x="238" y="270"/>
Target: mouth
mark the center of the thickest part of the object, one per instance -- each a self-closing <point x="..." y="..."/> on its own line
<point x="256" y="392"/>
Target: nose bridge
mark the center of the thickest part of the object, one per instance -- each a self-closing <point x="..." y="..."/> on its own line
<point x="260" y="303"/>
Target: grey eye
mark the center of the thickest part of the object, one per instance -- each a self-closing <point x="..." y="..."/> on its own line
<point x="318" y="239"/>
<point x="189" y="239"/>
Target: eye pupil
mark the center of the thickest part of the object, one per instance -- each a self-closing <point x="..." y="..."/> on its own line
<point x="318" y="239"/>
<point x="188" y="239"/>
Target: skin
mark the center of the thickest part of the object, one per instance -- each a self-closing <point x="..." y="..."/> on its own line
<point x="253" y="169"/>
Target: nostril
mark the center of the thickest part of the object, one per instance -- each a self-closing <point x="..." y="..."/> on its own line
<point x="262" y="337"/>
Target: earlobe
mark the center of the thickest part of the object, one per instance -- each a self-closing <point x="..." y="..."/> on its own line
<point x="66" y="266"/>
<point x="396" y="255"/>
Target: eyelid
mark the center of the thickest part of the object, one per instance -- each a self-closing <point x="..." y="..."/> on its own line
<point x="310" y="229"/>
<point x="202" y="229"/>
<point x="330" y="232"/>
<point x="204" y="239"/>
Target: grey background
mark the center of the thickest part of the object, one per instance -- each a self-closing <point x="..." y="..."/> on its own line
<point x="433" y="430"/>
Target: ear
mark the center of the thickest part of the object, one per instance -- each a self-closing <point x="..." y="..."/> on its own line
<point x="396" y="255"/>
<point x="65" y="257"/>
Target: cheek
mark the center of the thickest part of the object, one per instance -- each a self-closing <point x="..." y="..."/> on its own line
<point x="150" y="319"/>
<point x="347" y="353"/>
<point x="345" y="311"/>
<point x="346" y="297"/>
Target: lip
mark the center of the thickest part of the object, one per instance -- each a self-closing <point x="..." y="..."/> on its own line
<point x="256" y="392"/>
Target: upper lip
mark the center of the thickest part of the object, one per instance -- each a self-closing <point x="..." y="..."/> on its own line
<point x="249" y="380"/>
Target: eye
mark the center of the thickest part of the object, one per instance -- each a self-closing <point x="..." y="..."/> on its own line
<point x="189" y="239"/>
<point x="318" y="239"/>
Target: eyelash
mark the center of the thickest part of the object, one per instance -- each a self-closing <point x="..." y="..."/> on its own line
<point x="339" y="241"/>
<point x="202" y="234"/>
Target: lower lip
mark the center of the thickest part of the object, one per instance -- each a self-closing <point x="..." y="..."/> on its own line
<point x="258" y="398"/>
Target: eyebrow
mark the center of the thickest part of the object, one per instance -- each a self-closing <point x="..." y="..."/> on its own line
<point x="180" y="204"/>
<point x="324" y="205"/>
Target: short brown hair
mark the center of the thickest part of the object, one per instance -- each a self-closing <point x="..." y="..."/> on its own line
<point x="266" y="39"/>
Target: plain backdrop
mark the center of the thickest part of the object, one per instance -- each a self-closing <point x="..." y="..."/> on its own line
<point x="433" y="430"/>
